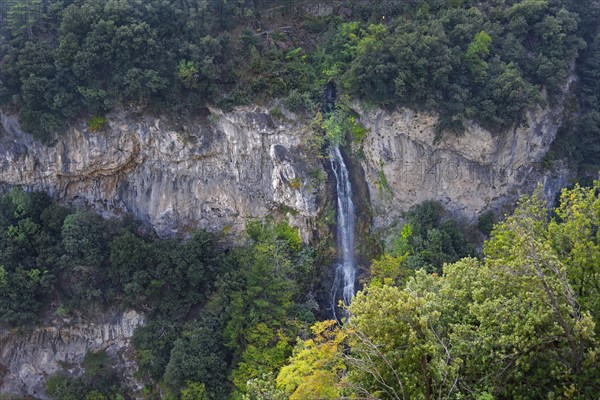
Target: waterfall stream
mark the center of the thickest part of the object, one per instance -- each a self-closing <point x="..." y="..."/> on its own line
<point x="345" y="270"/>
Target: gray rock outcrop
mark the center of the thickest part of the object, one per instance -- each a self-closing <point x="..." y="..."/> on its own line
<point x="207" y="172"/>
<point x="28" y="359"/>
<point x="467" y="174"/>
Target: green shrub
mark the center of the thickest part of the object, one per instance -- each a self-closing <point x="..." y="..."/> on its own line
<point x="295" y="183"/>
<point x="95" y="362"/>
<point x="96" y="123"/>
<point x="276" y="113"/>
<point x="486" y="222"/>
<point x="298" y="101"/>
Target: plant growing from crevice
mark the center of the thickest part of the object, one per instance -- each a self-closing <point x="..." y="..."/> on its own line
<point x="96" y="123"/>
<point x="343" y="122"/>
<point x="295" y="183"/>
<point x="383" y="186"/>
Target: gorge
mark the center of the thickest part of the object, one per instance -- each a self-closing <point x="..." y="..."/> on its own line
<point x="199" y="174"/>
<point x="299" y="199"/>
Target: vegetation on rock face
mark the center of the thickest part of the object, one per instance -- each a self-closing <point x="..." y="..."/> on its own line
<point x="521" y="322"/>
<point x="216" y="318"/>
<point x="464" y="59"/>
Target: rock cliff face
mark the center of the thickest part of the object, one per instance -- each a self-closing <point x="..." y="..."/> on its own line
<point x="28" y="359"/>
<point x="213" y="171"/>
<point x="216" y="170"/>
<point x="467" y="174"/>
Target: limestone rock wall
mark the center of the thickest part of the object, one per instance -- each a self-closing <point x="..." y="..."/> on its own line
<point x="213" y="171"/>
<point x="27" y="359"/>
<point x="404" y="166"/>
<point x="218" y="169"/>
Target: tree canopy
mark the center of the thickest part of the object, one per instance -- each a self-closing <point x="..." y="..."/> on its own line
<point x="522" y="323"/>
<point x="466" y="60"/>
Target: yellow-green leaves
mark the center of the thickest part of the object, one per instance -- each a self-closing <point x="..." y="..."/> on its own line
<point x="477" y="52"/>
<point x="389" y="269"/>
<point x="315" y="370"/>
<point x="518" y="325"/>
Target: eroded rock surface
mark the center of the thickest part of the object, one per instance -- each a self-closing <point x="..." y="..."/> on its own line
<point x="404" y="165"/>
<point x="27" y="359"/>
<point x="214" y="171"/>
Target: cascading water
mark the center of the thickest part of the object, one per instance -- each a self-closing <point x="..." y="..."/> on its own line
<point x="345" y="270"/>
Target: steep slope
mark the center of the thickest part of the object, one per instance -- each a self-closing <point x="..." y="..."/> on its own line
<point x="216" y="171"/>
<point x="198" y="174"/>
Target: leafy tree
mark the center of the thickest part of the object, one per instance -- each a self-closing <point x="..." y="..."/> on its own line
<point x="477" y="51"/>
<point x="131" y="268"/>
<point x="153" y="343"/>
<point x="316" y="368"/>
<point x="263" y="388"/>
<point x="519" y="324"/>
<point x="188" y="73"/>
<point x="574" y="237"/>
<point x="393" y="352"/>
<point x="29" y="254"/>
<point x="425" y="241"/>
<point x="194" y="391"/>
<point x="85" y="238"/>
<point x="198" y="357"/>
<point x="261" y="323"/>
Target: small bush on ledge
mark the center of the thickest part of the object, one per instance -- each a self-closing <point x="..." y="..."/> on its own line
<point x="96" y="123"/>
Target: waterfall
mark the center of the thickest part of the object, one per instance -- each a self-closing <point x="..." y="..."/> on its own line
<point x="345" y="270"/>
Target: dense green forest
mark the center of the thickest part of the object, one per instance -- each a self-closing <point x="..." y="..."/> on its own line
<point x="242" y="322"/>
<point x="484" y="61"/>
<point x="216" y="317"/>
<point x="436" y="316"/>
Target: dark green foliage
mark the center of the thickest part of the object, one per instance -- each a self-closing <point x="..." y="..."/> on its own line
<point x="88" y="261"/>
<point x="578" y="138"/>
<point x="199" y="356"/>
<point x="153" y="343"/>
<point x="86" y="239"/>
<point x="428" y="241"/>
<point x="131" y="263"/>
<point x="99" y="381"/>
<point x="486" y="221"/>
<point x="187" y="273"/>
<point x="463" y="59"/>
<point x="95" y="362"/>
<point x="210" y="314"/>
<point x="29" y="254"/>
<point x="66" y="58"/>
<point x="588" y="148"/>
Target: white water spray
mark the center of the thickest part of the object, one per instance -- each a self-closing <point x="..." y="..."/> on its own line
<point x="345" y="272"/>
